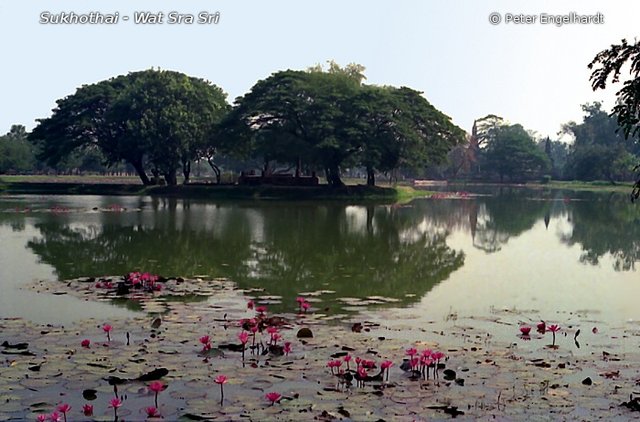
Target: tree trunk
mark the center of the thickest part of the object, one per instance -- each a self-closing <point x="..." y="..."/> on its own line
<point x="186" y="171"/>
<point x="298" y="167"/>
<point x="371" y="177"/>
<point x="137" y="165"/>
<point x="333" y="176"/>
<point x="216" y="170"/>
<point x="171" y="178"/>
<point x="266" y="168"/>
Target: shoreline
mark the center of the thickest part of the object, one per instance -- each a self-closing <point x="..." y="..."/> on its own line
<point x="201" y="191"/>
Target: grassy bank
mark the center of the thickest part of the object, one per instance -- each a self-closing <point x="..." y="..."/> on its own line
<point x="595" y="186"/>
<point x="36" y="186"/>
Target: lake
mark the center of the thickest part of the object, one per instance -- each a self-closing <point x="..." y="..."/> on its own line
<point x="544" y="252"/>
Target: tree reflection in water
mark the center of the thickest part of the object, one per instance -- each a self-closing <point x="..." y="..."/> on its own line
<point x="358" y="251"/>
<point x="285" y="248"/>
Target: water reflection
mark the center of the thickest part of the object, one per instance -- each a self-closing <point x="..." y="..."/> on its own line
<point x="607" y="227"/>
<point x="358" y="251"/>
<point x="400" y="252"/>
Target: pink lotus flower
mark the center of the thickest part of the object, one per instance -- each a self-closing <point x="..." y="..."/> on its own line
<point x="64" y="408"/>
<point x="437" y="356"/>
<point x="42" y="417"/>
<point x="301" y="300"/>
<point x="156" y="387"/>
<point x="206" y="343"/>
<point x="368" y="364"/>
<point x="347" y="359"/>
<point x="287" y="348"/>
<point x="86" y="343"/>
<point x="412" y="351"/>
<point x="525" y="330"/>
<point x="261" y="309"/>
<point x="337" y="363"/>
<point x="251" y="304"/>
<point x="361" y="375"/>
<point x="542" y="327"/>
<point x="305" y="306"/>
<point x="414" y="362"/>
<point x="385" y="365"/>
<point x="221" y="380"/>
<point x="275" y="337"/>
<point x="152" y="412"/>
<point x="243" y="337"/>
<point x="554" y="328"/>
<point x="426" y="352"/>
<point x="115" y="403"/>
<point x="107" y="329"/>
<point x="273" y="397"/>
<point x="87" y="410"/>
<point x="55" y="417"/>
<point x="426" y="361"/>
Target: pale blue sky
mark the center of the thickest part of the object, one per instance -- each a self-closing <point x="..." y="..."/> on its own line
<point x="535" y="75"/>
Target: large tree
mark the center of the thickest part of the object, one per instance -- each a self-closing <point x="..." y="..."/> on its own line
<point x="329" y="119"/>
<point x="598" y="148"/>
<point x="290" y="118"/>
<point x="155" y="120"/>
<point x="16" y="153"/>
<point x="512" y="153"/>
<point x="610" y="64"/>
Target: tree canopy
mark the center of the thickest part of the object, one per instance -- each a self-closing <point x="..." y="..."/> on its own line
<point x="610" y="64"/>
<point x="16" y="153"/>
<point x="513" y="153"/>
<point x="155" y="120"/>
<point x="329" y="119"/>
<point x="598" y="150"/>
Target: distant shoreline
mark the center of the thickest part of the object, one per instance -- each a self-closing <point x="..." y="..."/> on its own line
<point x="120" y="186"/>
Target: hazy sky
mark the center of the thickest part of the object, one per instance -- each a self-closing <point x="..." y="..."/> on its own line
<point x="532" y="74"/>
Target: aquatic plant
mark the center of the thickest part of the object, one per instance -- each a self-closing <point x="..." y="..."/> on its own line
<point x="115" y="403"/>
<point x="273" y="397"/>
<point x="107" y="329"/>
<point x="525" y="330"/>
<point x="152" y="412"/>
<point x="244" y="338"/>
<point x="554" y="328"/>
<point x="221" y="380"/>
<point x="156" y="387"/>
<point x="64" y="409"/>
<point x="385" y="365"/>
<point x="206" y="343"/>
<point x="87" y="410"/>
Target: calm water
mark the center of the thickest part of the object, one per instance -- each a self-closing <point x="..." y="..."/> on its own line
<point x="548" y="251"/>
